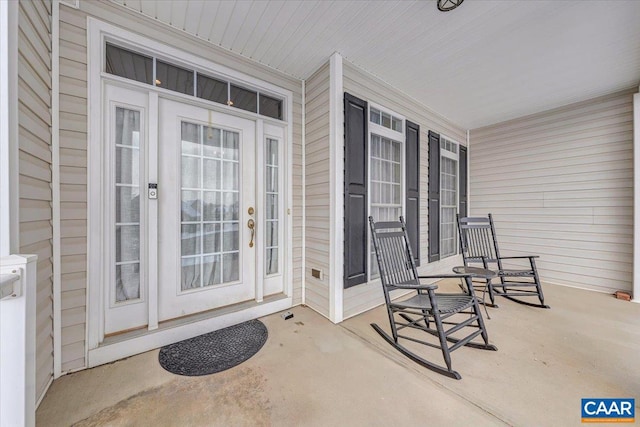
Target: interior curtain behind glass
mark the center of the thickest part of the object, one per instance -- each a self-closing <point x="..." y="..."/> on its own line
<point x="127" y="204"/>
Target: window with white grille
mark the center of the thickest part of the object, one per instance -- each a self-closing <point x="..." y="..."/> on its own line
<point x="448" y="197"/>
<point x="386" y="171"/>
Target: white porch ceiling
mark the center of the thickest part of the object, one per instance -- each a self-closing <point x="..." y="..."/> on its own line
<point x="483" y="63"/>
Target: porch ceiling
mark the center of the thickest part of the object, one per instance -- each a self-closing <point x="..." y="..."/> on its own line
<point x="483" y="63"/>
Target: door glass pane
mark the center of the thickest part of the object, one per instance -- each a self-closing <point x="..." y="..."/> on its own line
<point x="212" y="208"/>
<point x="271" y="186"/>
<point x="127" y="282"/>
<point x="212" y="143"/>
<point x="127" y="243"/>
<point x="127" y="204"/>
<point x="210" y="245"/>
<point x="212" y="270"/>
<point x="190" y="138"/>
<point x="190" y="206"/>
<point x="230" y="150"/>
<point x="190" y="273"/>
<point x="127" y="165"/>
<point x="230" y="267"/>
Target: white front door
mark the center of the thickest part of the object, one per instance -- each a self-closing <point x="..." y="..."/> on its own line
<point x="206" y="209"/>
<point x="194" y="215"/>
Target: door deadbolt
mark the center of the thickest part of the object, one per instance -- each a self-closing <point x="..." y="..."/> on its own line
<point x="251" y="211"/>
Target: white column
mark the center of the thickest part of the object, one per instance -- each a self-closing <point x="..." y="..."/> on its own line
<point x="8" y="128"/>
<point x="636" y="198"/>
<point x="18" y="343"/>
<point x="336" y="158"/>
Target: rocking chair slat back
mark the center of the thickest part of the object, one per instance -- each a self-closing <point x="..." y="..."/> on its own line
<point x="395" y="260"/>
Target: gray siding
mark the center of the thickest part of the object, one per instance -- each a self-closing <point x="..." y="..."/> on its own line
<point x="363" y="85"/>
<point x="317" y="190"/>
<point x="560" y="185"/>
<point x="73" y="152"/>
<point x="34" y="142"/>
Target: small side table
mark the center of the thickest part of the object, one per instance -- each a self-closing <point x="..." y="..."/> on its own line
<point x="482" y="273"/>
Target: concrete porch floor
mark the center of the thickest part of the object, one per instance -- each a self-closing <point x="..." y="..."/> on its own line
<point x="311" y="372"/>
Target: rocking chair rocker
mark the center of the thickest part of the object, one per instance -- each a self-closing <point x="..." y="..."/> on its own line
<point x="426" y="308"/>
<point x="479" y="245"/>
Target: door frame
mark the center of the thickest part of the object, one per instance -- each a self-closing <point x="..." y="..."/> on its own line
<point x="96" y="351"/>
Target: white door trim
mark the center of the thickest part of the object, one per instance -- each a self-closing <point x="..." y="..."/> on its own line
<point x="97" y="32"/>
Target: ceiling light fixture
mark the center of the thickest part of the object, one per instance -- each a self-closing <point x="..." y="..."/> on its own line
<point x="447" y="5"/>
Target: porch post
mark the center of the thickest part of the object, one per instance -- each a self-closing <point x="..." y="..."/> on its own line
<point x="636" y="197"/>
<point x="9" y="223"/>
<point x="336" y="158"/>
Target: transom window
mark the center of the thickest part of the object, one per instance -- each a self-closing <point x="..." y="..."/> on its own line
<point x="156" y="72"/>
<point x="385" y="119"/>
<point x="448" y="196"/>
<point x="386" y="171"/>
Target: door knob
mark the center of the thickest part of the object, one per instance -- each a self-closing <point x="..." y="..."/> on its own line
<point x="252" y="226"/>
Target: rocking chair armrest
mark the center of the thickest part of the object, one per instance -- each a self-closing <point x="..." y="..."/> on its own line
<point x="520" y="257"/>
<point x="416" y="287"/>
<point x="444" y="276"/>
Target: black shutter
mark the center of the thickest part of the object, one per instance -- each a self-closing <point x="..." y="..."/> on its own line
<point x="355" y="191"/>
<point x="462" y="208"/>
<point x="412" y="149"/>
<point x="434" y="196"/>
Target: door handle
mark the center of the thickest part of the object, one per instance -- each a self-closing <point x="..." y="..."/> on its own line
<point x="252" y="226"/>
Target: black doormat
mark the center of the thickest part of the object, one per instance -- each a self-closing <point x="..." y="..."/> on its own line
<point x="215" y="351"/>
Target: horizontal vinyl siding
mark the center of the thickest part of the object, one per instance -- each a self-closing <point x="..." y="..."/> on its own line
<point x="73" y="185"/>
<point x="363" y="85"/>
<point x="560" y="185"/>
<point x="34" y="142"/>
<point x="298" y="201"/>
<point x="73" y="152"/>
<point x="317" y="190"/>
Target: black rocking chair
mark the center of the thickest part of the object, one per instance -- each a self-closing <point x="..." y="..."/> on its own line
<point x="479" y="244"/>
<point x="427" y="310"/>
